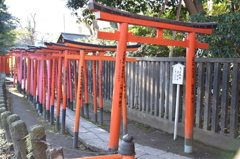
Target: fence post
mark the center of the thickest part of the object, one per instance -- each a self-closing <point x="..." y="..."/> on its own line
<point x="37" y="136"/>
<point x="5" y="126"/>
<point x="19" y="133"/>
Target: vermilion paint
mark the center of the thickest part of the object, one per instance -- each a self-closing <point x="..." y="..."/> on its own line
<point x="118" y="89"/>
<point x="100" y="92"/>
<point x="94" y="77"/>
<point x="78" y="100"/>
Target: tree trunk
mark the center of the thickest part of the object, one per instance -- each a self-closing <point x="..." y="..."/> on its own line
<point x="175" y="32"/>
<point x="89" y="28"/>
<point x="159" y="15"/>
<point x="198" y="5"/>
<point x="191" y="7"/>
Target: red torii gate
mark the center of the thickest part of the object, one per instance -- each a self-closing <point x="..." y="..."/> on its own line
<point x="72" y="52"/>
<point x="60" y="56"/>
<point x="84" y="47"/>
<point x="4" y="64"/>
<point x="122" y="36"/>
<point x="18" y="70"/>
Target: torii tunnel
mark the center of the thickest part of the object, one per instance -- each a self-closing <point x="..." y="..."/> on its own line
<point x="45" y="72"/>
<point x="58" y="72"/>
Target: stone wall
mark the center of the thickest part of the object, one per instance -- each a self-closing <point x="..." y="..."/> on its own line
<point x="3" y="93"/>
<point x="27" y="145"/>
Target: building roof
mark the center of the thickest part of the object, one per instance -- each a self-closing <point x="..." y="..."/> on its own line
<point x="70" y="36"/>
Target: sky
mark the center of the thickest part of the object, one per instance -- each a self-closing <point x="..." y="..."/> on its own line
<point x="51" y="15"/>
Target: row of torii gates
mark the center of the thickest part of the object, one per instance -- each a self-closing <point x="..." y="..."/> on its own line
<point x="59" y="71"/>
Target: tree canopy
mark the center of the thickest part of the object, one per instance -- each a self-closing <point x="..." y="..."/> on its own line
<point x="224" y="41"/>
<point x="225" y="12"/>
<point x="7" y="26"/>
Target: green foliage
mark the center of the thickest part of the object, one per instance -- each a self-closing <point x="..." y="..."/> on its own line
<point x="7" y="26"/>
<point x="86" y="15"/>
<point x="134" y="6"/>
<point x="225" y="39"/>
<point x="147" y="50"/>
<point x="150" y="50"/>
<point x="76" y="4"/>
<point x="220" y="8"/>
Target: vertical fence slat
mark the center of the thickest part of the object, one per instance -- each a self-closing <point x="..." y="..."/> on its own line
<point x="234" y="110"/>
<point x="127" y="80"/>
<point x="215" y="100"/>
<point x="151" y="87"/>
<point x="97" y="78"/>
<point x="137" y="83"/>
<point x="144" y="86"/>
<point x="161" y="89"/>
<point x="132" y="84"/>
<point x="109" y="80"/>
<point x="172" y="94"/>
<point x="147" y="90"/>
<point x="112" y="78"/>
<point x="199" y="100"/>
<point x="156" y="88"/>
<point x="183" y="97"/>
<point x="148" y="81"/>
<point x="104" y="79"/>
<point x="166" y="90"/>
<point x="140" y="75"/>
<point x="90" y="79"/>
<point x="207" y="102"/>
<point x="224" y="98"/>
<point x="180" y="103"/>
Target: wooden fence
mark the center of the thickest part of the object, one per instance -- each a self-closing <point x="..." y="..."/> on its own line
<point x="150" y="91"/>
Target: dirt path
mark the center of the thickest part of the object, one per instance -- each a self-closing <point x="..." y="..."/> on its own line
<point x="30" y="116"/>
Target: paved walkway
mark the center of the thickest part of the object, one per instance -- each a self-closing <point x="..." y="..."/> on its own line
<point x="97" y="139"/>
